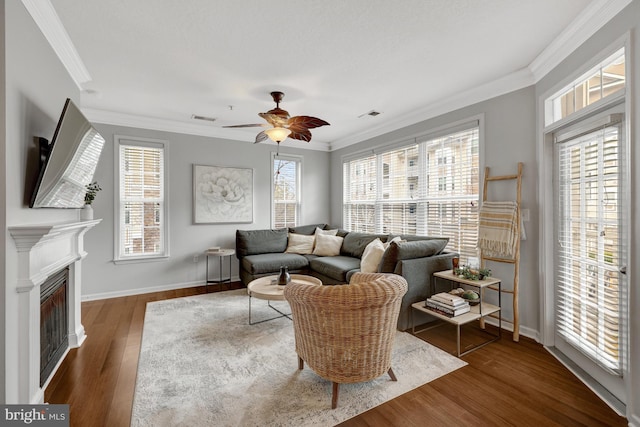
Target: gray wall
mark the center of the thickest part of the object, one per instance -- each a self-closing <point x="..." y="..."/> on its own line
<point x="102" y="278"/>
<point x="626" y="21"/>
<point x="36" y="85"/>
<point x="509" y="138"/>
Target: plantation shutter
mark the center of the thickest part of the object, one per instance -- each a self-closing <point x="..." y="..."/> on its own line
<point x="588" y="283"/>
<point x="285" y="195"/>
<point x="141" y="200"/>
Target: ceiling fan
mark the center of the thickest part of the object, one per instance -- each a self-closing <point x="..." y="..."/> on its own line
<point x="296" y="127"/>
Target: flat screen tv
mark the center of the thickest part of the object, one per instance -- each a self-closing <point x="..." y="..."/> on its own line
<point x="68" y="163"/>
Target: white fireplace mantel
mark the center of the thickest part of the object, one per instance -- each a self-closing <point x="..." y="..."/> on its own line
<point x="44" y="249"/>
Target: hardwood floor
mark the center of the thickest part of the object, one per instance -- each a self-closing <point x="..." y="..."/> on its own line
<point x="505" y="383"/>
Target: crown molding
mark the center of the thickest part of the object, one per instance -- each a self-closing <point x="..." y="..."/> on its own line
<point x="585" y="25"/>
<point x="175" y="126"/>
<point x="509" y="83"/>
<point x="47" y="20"/>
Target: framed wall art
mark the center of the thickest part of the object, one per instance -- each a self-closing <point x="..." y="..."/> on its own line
<point x="222" y="195"/>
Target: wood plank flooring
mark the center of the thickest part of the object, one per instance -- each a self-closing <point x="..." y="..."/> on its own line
<point x="505" y="383"/>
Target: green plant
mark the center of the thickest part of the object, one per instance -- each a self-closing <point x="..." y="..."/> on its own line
<point x="470" y="274"/>
<point x="485" y="272"/>
<point x="92" y="190"/>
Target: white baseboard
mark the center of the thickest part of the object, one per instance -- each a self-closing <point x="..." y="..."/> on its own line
<point x="140" y="291"/>
<point x="508" y="326"/>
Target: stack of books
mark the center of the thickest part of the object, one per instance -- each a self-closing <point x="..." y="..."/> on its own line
<point x="447" y="304"/>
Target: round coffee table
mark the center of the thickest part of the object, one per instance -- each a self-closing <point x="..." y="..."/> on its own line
<point x="266" y="288"/>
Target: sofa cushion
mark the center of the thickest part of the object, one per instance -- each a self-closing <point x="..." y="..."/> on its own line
<point x="327" y="245"/>
<point x="300" y="244"/>
<point x="271" y="263"/>
<point x="355" y="242"/>
<point x="306" y="229"/>
<point x="409" y="250"/>
<point x="251" y="242"/>
<point x="335" y="267"/>
<point x="371" y="256"/>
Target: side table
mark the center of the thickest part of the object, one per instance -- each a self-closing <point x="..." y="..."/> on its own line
<point x="477" y="312"/>
<point x="220" y="254"/>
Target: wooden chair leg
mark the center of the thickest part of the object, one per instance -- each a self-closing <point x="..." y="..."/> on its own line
<point x="334" y="397"/>
<point x="392" y="375"/>
<point x="300" y="363"/>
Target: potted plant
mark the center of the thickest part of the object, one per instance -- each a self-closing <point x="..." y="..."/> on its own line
<point x="89" y="196"/>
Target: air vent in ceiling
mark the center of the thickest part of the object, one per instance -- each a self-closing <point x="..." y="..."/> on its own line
<point x="371" y="113"/>
<point x="205" y="118"/>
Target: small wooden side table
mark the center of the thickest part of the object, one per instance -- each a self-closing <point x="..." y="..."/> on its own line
<point x="477" y="312"/>
<point x="220" y="254"/>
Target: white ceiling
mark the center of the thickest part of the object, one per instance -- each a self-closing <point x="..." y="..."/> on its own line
<point x="154" y="64"/>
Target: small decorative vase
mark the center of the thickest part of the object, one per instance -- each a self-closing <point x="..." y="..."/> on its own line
<point x="284" y="278"/>
<point x="86" y="213"/>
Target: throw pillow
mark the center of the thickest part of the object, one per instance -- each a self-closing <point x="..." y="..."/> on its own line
<point x="327" y="245"/>
<point x="388" y="243"/>
<point x="371" y="256"/>
<point x="327" y="232"/>
<point x="300" y="243"/>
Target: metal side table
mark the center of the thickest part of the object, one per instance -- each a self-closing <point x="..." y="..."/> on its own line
<point x="220" y="254"/>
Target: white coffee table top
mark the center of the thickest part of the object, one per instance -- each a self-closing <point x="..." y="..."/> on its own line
<point x="266" y="288"/>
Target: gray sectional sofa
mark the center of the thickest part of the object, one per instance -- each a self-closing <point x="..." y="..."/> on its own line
<point x="416" y="258"/>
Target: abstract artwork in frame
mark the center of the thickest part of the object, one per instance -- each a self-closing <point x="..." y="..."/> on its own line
<point x="222" y="194"/>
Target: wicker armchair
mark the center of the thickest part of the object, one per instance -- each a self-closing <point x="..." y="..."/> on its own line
<point x="345" y="333"/>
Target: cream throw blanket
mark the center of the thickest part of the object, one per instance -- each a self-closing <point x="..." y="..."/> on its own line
<point x="498" y="229"/>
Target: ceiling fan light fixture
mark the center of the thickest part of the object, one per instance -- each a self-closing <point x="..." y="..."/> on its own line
<point x="278" y="134"/>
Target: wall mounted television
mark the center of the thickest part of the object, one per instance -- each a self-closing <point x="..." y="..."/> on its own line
<point x="68" y="163"/>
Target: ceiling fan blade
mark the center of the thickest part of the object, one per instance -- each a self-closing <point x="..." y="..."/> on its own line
<point x="252" y="125"/>
<point x="261" y="137"/>
<point x="274" y="120"/>
<point x="299" y="133"/>
<point x="307" y="122"/>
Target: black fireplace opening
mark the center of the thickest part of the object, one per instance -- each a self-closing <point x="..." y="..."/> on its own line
<point x="54" y="322"/>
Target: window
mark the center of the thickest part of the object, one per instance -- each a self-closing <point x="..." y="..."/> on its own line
<point x="142" y="226"/>
<point x="589" y="253"/>
<point x="606" y="79"/>
<point x="428" y="188"/>
<point x="285" y="204"/>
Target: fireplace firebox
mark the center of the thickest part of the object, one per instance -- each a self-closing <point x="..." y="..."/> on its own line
<point x="54" y="322"/>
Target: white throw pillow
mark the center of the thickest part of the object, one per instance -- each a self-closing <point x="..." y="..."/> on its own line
<point x="300" y="243"/>
<point x="371" y="256"/>
<point x="327" y="245"/>
<point x="326" y="232"/>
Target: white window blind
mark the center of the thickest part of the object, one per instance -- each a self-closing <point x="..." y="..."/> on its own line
<point x="588" y="313"/>
<point x="286" y="191"/>
<point x="428" y="188"/>
<point x="360" y="194"/>
<point x="142" y="201"/>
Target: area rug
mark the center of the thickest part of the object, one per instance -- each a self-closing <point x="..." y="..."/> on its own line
<point x="202" y="364"/>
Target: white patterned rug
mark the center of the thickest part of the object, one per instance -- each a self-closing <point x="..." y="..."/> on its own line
<point x="202" y="364"/>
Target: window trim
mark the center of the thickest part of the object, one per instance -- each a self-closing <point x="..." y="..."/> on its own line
<point x="549" y="125"/>
<point x="299" y="160"/>
<point x="120" y="140"/>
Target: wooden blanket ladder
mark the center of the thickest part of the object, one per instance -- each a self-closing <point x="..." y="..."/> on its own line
<point x="516" y="259"/>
